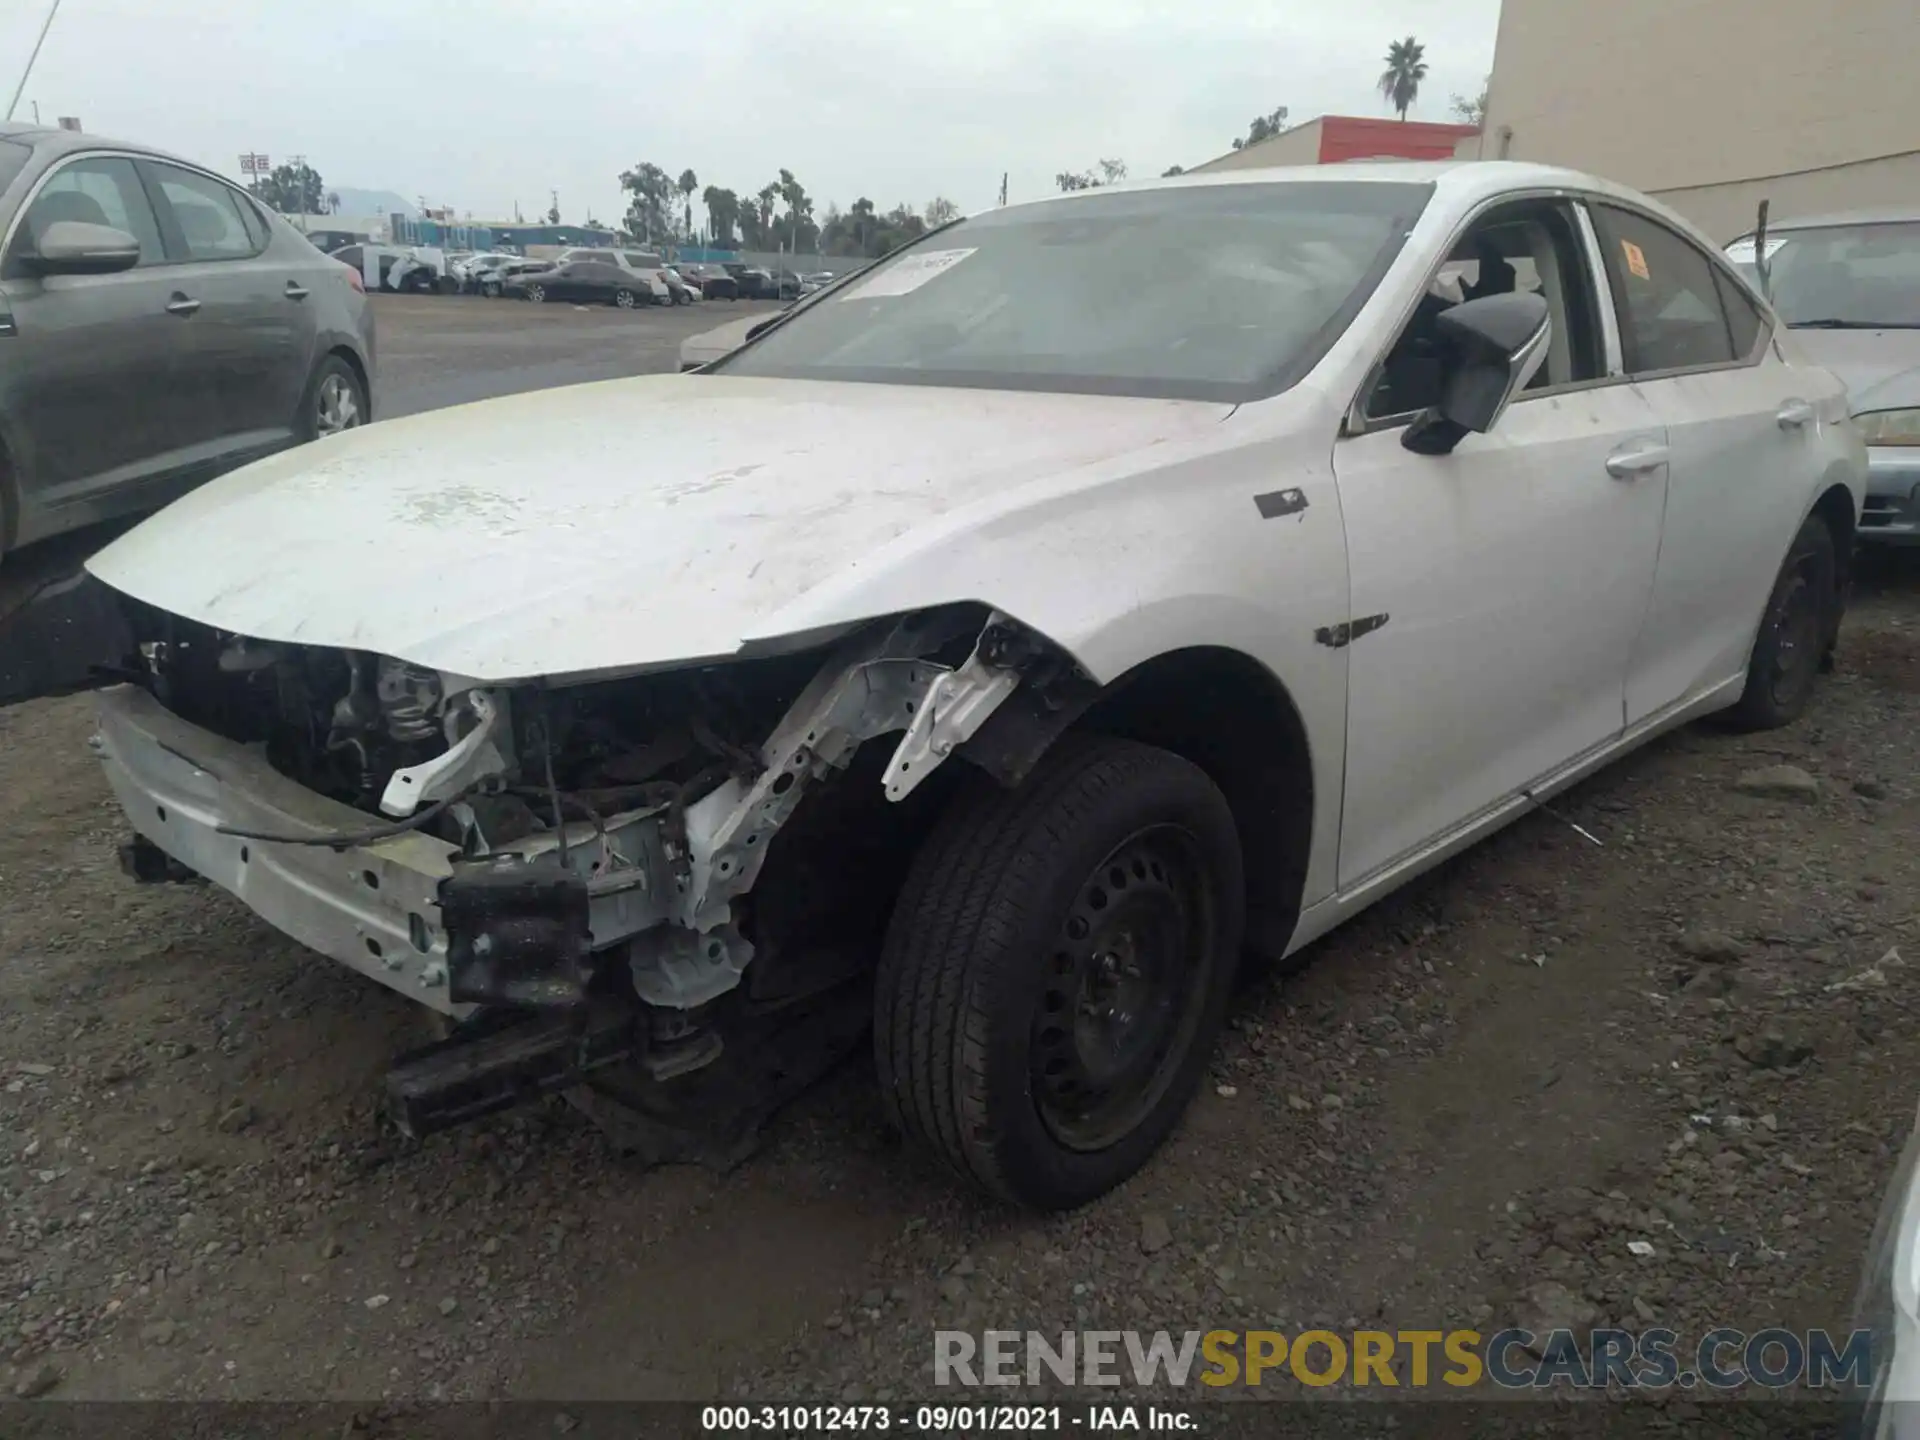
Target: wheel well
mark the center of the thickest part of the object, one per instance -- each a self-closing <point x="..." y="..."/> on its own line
<point x="359" y="373"/>
<point x="1835" y="508"/>
<point x="1229" y="715"/>
<point x="9" y="500"/>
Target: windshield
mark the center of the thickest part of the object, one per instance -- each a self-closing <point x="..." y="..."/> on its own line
<point x="1221" y="292"/>
<point x="1852" y="276"/>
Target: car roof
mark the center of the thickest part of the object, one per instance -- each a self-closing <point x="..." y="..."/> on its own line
<point x="58" y="142"/>
<point x="1462" y="181"/>
<point x="1459" y="185"/>
<point x="1886" y="215"/>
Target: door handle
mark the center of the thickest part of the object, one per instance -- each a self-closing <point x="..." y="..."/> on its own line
<point x="1631" y="464"/>
<point x="182" y="305"/>
<point x="1794" y="414"/>
<point x="296" y="291"/>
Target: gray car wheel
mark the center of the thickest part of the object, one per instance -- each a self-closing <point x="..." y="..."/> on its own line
<point x="336" y="401"/>
<point x="623" y="297"/>
<point x="536" y="293"/>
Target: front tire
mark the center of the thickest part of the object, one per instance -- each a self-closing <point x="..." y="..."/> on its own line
<point x="1790" y="649"/>
<point x="1056" y="969"/>
<point x="623" y="298"/>
<point x="537" y="294"/>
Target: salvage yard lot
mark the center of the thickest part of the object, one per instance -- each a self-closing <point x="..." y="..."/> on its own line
<point x="441" y="350"/>
<point x="1459" y="1113"/>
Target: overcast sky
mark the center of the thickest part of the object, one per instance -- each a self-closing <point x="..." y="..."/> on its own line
<point x="484" y="103"/>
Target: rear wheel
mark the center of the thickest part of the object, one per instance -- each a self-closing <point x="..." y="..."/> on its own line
<point x="1795" y="631"/>
<point x="1056" y="968"/>
<point x="335" y="401"/>
<point x="537" y="293"/>
<point x="623" y="297"/>
<point x="491" y="289"/>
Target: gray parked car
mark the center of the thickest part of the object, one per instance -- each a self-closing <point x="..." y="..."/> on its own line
<point x="1849" y="288"/>
<point x="157" y="326"/>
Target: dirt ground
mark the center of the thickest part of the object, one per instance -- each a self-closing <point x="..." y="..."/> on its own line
<point x="1696" y="1033"/>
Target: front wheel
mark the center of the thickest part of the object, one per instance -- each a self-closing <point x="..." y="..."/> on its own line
<point x="623" y="298"/>
<point x="537" y="294"/>
<point x="491" y="289"/>
<point x="1789" y="651"/>
<point x="1056" y="969"/>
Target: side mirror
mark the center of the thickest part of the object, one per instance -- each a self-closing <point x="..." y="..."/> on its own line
<point x="74" y="247"/>
<point x="1496" y="345"/>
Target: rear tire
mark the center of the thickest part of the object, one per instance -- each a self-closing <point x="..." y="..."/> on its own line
<point x="537" y="294"/>
<point x="623" y="297"/>
<point x="1790" y="649"/>
<point x="1056" y="969"/>
<point x="335" y="400"/>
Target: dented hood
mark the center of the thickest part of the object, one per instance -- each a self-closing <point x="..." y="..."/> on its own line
<point x="608" y="526"/>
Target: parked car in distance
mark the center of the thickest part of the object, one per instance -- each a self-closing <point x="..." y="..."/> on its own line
<point x="157" y="326"/>
<point x="978" y="666"/>
<point x="753" y="282"/>
<point x="585" y="278"/>
<point x="1848" y="286"/>
<point x="396" y="268"/>
<point x="493" y="283"/>
<point x="714" y="282"/>
<point x="645" y="267"/>
<point x="473" y="270"/>
<point x="683" y="289"/>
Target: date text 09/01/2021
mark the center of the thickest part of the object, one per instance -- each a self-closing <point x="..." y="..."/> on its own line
<point x="943" y="1419"/>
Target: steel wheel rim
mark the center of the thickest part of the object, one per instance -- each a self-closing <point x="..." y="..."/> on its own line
<point x="1796" y="628"/>
<point x="336" y="407"/>
<point x="1125" y="985"/>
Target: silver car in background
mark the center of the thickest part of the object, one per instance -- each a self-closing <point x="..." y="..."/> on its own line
<point x="1849" y="287"/>
<point x="158" y="326"/>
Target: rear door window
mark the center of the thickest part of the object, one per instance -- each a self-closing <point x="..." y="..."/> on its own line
<point x="1670" y="312"/>
<point x="98" y="190"/>
<point x="206" y="213"/>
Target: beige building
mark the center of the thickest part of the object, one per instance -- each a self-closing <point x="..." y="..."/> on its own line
<point x="1713" y="105"/>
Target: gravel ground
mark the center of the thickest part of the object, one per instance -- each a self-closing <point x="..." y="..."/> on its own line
<point x="1463" y="1111"/>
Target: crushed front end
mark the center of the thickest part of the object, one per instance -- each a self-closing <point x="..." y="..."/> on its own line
<point x="665" y="887"/>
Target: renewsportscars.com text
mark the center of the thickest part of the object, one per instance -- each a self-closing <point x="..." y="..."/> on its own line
<point x="1511" y="1359"/>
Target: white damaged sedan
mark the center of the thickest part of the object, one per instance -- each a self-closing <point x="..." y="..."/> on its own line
<point x="988" y="654"/>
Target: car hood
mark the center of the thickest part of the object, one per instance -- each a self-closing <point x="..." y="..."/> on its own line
<point x="608" y="526"/>
<point x="1880" y="368"/>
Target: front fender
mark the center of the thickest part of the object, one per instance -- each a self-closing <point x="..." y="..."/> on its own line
<point x="1232" y="541"/>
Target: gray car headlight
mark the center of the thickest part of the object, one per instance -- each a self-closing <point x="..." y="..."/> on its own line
<point x="1890" y="427"/>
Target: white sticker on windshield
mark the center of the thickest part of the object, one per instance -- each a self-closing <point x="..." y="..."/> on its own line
<point x="908" y="273"/>
<point x="1741" y="251"/>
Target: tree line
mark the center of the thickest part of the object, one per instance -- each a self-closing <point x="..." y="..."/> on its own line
<point x="780" y="215"/>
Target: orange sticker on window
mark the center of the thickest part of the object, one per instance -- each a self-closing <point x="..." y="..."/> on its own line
<point x="1636" y="259"/>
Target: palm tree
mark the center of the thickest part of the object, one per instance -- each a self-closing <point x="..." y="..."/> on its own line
<point x="688" y="184"/>
<point x="1406" y="68"/>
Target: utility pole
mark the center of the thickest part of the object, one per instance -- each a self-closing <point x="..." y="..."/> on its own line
<point x="1003" y="187"/>
<point x="45" y="26"/>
